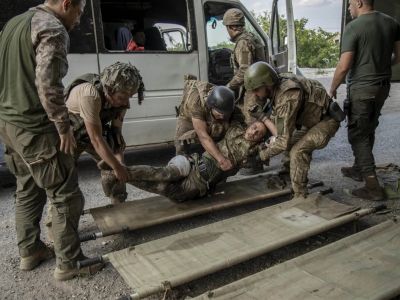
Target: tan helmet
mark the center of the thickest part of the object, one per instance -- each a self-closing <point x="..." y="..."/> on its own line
<point x="260" y="74"/>
<point x="122" y="77"/>
<point x="232" y="17"/>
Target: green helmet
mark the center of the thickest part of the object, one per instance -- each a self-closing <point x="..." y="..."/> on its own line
<point x="222" y="99"/>
<point x="233" y="16"/>
<point x="260" y="74"/>
<point x="122" y="77"/>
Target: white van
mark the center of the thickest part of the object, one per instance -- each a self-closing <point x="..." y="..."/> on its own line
<point x="182" y="37"/>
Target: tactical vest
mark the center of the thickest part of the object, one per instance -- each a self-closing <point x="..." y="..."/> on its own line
<point x="315" y="100"/>
<point x="216" y="129"/>
<point x="251" y="39"/>
<point x="107" y="114"/>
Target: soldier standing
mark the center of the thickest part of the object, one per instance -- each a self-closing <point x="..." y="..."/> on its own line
<point x="204" y="115"/>
<point x="248" y="50"/>
<point x="35" y="128"/>
<point x="367" y="47"/>
<point x="298" y="103"/>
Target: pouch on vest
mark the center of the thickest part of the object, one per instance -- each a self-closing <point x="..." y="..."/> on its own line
<point x="336" y="112"/>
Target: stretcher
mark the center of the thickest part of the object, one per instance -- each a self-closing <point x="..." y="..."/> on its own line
<point x="362" y="266"/>
<point x="138" y="214"/>
<point x="162" y="264"/>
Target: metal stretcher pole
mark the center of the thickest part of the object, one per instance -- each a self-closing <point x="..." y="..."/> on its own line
<point x="93" y="236"/>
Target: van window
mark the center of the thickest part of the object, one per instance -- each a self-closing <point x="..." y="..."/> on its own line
<point x="145" y="25"/>
<point x="218" y="42"/>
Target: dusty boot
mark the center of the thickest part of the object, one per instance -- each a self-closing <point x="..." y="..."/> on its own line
<point x="67" y="274"/>
<point x="352" y="173"/>
<point x="253" y="167"/>
<point x="30" y="262"/>
<point x="371" y="191"/>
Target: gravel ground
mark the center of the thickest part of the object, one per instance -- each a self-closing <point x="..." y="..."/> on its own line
<point x="326" y="164"/>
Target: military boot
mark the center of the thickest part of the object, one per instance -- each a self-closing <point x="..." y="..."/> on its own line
<point x="352" y="172"/>
<point x="253" y="167"/>
<point x="30" y="262"/>
<point x="371" y="191"/>
<point x="67" y="274"/>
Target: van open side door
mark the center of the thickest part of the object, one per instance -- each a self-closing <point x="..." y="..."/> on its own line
<point x="389" y="7"/>
<point x="283" y="37"/>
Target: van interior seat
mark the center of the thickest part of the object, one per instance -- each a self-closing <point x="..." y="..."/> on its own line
<point x="154" y="41"/>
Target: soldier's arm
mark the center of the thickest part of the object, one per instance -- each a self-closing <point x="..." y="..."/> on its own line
<point x="116" y="125"/>
<point x="244" y="56"/>
<point x="342" y="68"/>
<point x="51" y="45"/>
<point x="209" y="145"/>
<point x="396" y="54"/>
<point x="103" y="150"/>
<point x="285" y="116"/>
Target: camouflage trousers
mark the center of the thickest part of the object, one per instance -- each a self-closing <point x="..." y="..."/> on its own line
<point x="169" y="181"/>
<point x="300" y="153"/>
<point x="43" y="172"/>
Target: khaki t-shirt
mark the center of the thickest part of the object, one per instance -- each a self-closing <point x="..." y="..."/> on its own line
<point x="85" y="101"/>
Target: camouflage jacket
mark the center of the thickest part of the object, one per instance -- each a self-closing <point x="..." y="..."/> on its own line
<point x="233" y="146"/>
<point x="194" y="106"/>
<point x="248" y="50"/>
<point x="297" y="103"/>
<point x="51" y="42"/>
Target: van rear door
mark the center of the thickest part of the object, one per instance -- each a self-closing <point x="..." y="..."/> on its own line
<point x="389" y="7"/>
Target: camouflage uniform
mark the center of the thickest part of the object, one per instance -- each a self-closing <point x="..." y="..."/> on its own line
<point x="300" y="104"/>
<point x="185" y="183"/>
<point x="31" y="117"/>
<point x="194" y="105"/>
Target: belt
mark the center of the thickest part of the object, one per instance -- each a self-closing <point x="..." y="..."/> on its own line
<point x="203" y="170"/>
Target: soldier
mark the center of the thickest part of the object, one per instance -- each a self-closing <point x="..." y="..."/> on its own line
<point x="248" y="50"/>
<point x="97" y="106"/>
<point x="298" y="103"/>
<point x="190" y="177"/>
<point x="367" y="47"/>
<point x="204" y="115"/>
<point x="35" y="128"/>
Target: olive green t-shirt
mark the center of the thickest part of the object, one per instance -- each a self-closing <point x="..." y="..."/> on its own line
<point x="371" y="37"/>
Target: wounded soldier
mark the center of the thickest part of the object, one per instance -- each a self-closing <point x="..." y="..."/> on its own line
<point x="190" y="177"/>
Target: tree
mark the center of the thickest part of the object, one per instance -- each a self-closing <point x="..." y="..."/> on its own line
<point x="316" y="48"/>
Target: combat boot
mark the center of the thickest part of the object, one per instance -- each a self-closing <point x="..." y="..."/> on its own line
<point x="253" y="167"/>
<point x="352" y="173"/>
<point x="371" y="191"/>
<point x="32" y="261"/>
<point x="62" y="274"/>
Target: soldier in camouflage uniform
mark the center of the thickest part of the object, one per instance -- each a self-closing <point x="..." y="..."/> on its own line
<point x="190" y="177"/>
<point x="204" y="115"/>
<point x="35" y="128"/>
<point x="97" y="105"/>
<point x="248" y="50"/>
<point x="298" y="103"/>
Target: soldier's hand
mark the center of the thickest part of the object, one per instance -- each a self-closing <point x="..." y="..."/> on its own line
<point x="333" y="94"/>
<point x="225" y="164"/>
<point x="68" y="143"/>
<point x="121" y="173"/>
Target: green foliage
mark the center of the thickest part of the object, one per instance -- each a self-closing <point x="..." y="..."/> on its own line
<point x="225" y="44"/>
<point x="316" y="48"/>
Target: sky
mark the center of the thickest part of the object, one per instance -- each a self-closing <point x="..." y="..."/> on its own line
<point x="320" y="13"/>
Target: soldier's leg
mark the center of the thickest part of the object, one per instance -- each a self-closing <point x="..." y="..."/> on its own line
<point x="300" y="155"/>
<point x="297" y="135"/>
<point x="182" y="126"/>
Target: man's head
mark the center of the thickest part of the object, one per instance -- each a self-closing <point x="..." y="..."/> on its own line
<point x="260" y="79"/>
<point x="120" y="82"/>
<point x="139" y="37"/>
<point x="69" y="11"/>
<point x="255" y="132"/>
<point x="359" y="7"/>
<point x="222" y="102"/>
<point x="234" y="22"/>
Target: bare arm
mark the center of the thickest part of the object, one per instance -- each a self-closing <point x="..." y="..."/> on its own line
<point x="342" y="68"/>
<point x="270" y="126"/>
<point x="396" y="56"/>
<point x="104" y="151"/>
<point x="209" y="145"/>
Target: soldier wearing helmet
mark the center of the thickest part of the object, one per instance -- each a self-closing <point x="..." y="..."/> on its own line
<point x="304" y="115"/>
<point x="204" y="116"/>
